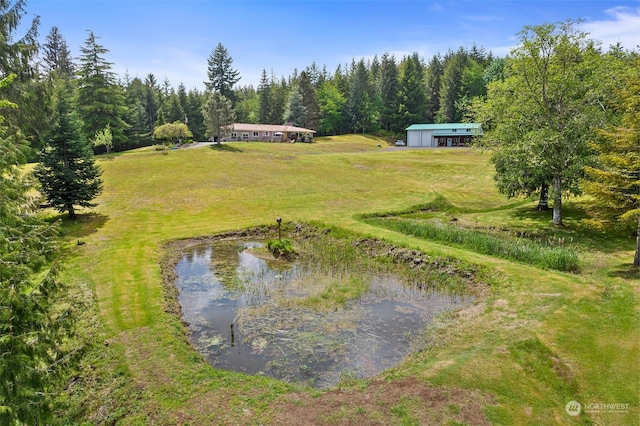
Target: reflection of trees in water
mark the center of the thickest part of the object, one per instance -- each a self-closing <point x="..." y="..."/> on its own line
<point x="224" y="264"/>
<point x="316" y="344"/>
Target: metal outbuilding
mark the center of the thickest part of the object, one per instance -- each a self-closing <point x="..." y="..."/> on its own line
<point x="442" y="135"/>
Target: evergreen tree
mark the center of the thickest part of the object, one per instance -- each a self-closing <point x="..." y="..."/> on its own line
<point x="361" y="106"/>
<point x="312" y="119"/>
<point x="32" y="357"/>
<point x="263" y="98"/>
<point x="184" y="100"/>
<point x="433" y="78"/>
<point x="341" y="80"/>
<point x="67" y="172"/>
<point x="193" y="110"/>
<point x="450" y="86"/>
<point x="137" y="132"/>
<point x="161" y="118"/>
<point x="614" y="182"/>
<point x="388" y="89"/>
<point x="277" y="100"/>
<point x="56" y="56"/>
<point x="151" y="102"/>
<point x="175" y="112"/>
<point x="412" y="98"/>
<point x="295" y="113"/>
<point x="222" y="76"/>
<point x="17" y="56"/>
<point x="316" y="76"/>
<point x="100" y="99"/>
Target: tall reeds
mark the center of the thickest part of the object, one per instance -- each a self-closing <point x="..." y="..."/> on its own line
<point x="543" y="254"/>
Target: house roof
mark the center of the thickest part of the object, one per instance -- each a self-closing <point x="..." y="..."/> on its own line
<point x="445" y="126"/>
<point x="250" y="127"/>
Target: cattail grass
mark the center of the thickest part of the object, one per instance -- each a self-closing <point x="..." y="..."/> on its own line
<point x="542" y="255"/>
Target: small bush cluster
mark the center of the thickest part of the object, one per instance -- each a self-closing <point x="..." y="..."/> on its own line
<point x="281" y="247"/>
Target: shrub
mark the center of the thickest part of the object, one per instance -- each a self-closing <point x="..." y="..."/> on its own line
<point x="281" y="247"/>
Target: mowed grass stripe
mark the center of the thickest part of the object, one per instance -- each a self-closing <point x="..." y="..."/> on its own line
<point x="150" y="198"/>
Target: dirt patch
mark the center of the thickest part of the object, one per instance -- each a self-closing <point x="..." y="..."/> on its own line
<point x="384" y="403"/>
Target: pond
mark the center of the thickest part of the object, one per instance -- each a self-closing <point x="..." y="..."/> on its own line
<point x="301" y="321"/>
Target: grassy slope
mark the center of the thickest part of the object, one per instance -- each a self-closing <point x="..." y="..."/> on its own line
<point x="539" y="340"/>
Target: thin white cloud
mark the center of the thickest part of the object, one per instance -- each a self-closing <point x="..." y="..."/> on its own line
<point x="623" y="28"/>
<point x="483" y="18"/>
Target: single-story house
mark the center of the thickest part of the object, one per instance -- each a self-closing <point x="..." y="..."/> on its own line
<point x="247" y="132"/>
<point x="445" y="134"/>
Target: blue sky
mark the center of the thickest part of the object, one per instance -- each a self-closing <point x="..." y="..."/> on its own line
<point x="173" y="39"/>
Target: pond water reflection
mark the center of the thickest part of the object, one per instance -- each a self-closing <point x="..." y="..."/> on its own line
<point x="256" y="316"/>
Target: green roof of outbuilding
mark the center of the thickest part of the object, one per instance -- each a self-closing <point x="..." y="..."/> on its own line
<point x="444" y="126"/>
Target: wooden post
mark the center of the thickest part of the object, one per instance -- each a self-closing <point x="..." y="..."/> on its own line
<point x="279" y="220"/>
<point x="232" y="336"/>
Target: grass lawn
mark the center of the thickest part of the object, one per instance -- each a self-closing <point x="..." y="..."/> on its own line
<point x="538" y="340"/>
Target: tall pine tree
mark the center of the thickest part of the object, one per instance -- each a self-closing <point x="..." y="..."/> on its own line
<point x="56" y="56"/>
<point x="17" y="56"/>
<point x="100" y="99"/>
<point x="434" y="75"/>
<point x="412" y="98"/>
<point x="222" y="76"/>
<point x="67" y="171"/>
<point x="31" y="335"/>
<point x="388" y="89"/>
<point x="310" y="102"/>
<point x="295" y="114"/>
<point x="615" y="181"/>
<point x="263" y="98"/>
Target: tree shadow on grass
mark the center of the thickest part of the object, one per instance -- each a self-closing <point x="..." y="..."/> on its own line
<point x="84" y="225"/>
<point x="575" y="228"/>
<point x="223" y="147"/>
<point x="625" y="271"/>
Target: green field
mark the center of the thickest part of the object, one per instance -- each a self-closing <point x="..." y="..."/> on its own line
<point x="537" y="340"/>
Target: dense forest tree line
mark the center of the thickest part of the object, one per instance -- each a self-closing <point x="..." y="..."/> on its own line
<point x="385" y="94"/>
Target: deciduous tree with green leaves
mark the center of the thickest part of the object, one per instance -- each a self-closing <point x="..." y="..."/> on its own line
<point x="332" y="103"/>
<point x="537" y="121"/>
<point x="176" y="132"/>
<point x="218" y="116"/>
<point x="614" y="182"/>
<point x="104" y="138"/>
<point x="66" y="170"/>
